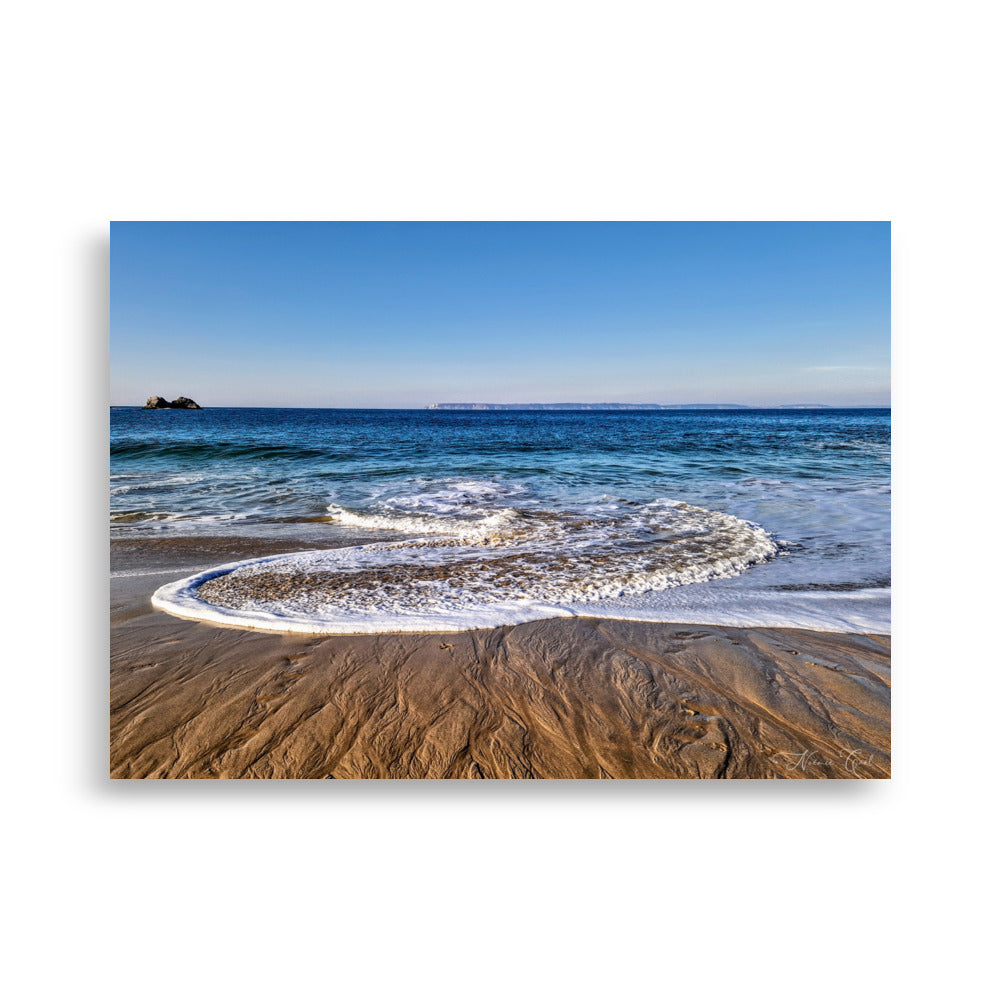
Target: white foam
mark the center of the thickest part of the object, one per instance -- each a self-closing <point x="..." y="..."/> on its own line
<point x="148" y="483"/>
<point x="181" y="599"/>
<point x="141" y="516"/>
<point x="419" y="523"/>
<point x="743" y="605"/>
<point x="864" y="611"/>
<point x="478" y="569"/>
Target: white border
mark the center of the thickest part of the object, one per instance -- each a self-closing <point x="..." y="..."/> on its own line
<point x="542" y="111"/>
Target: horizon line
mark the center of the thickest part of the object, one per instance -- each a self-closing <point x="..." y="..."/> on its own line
<point x="584" y="407"/>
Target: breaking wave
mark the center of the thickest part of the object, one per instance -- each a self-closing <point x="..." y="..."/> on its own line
<point x="472" y="555"/>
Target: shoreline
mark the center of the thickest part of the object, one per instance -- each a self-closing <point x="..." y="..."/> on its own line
<point x="573" y="697"/>
<point x="182" y="563"/>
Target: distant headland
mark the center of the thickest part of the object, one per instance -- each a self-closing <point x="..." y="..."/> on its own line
<point x="180" y="403"/>
<point x="618" y="406"/>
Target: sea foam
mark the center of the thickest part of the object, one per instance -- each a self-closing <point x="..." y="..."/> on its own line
<point x="467" y="563"/>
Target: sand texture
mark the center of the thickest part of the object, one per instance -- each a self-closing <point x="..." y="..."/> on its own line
<point x="567" y="698"/>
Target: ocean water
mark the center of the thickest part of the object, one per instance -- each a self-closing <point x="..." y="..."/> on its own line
<point x="436" y="519"/>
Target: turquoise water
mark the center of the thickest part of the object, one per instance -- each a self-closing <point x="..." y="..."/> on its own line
<point x="471" y="517"/>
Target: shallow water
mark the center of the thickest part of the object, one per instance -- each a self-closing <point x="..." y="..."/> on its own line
<point x="464" y="518"/>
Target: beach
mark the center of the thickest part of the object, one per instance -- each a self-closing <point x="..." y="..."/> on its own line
<point x="581" y="697"/>
<point x="434" y="594"/>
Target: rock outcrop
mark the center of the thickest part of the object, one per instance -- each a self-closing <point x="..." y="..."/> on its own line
<point x="180" y="403"/>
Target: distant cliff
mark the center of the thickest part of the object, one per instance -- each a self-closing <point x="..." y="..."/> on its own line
<point x="621" y="406"/>
<point x="180" y="403"/>
<point x="587" y="406"/>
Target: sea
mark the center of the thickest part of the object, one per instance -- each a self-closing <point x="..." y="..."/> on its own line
<point x="437" y="520"/>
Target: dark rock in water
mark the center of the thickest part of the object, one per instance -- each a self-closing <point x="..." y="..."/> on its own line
<point x="180" y="403"/>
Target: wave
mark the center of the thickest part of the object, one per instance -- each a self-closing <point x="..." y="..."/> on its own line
<point x="212" y="451"/>
<point x="472" y="559"/>
<point x="138" y="516"/>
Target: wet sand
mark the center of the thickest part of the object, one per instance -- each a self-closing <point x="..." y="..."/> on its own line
<point x="564" y="698"/>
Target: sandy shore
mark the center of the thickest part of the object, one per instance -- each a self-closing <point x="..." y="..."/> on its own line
<point x="564" y="698"/>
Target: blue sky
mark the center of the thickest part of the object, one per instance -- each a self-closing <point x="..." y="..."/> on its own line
<point x="408" y="314"/>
